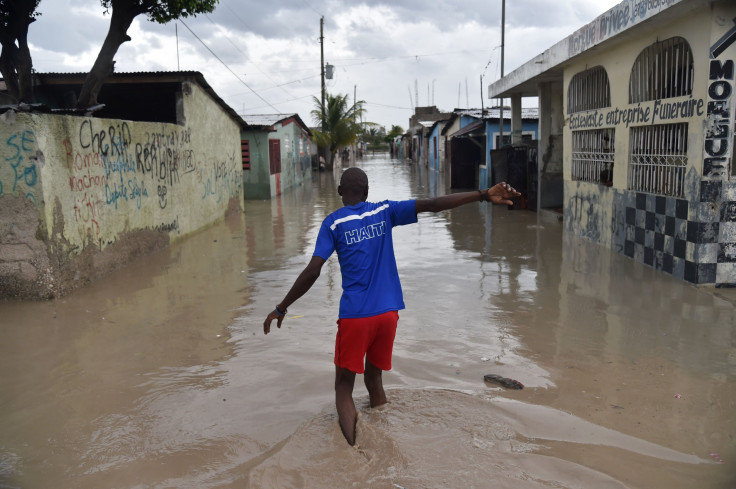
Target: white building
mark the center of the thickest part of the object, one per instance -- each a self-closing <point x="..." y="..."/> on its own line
<point x="642" y="101"/>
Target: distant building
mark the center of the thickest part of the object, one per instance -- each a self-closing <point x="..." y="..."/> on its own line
<point x="467" y="138"/>
<point x="637" y="116"/>
<point x="420" y="125"/>
<point x="277" y="154"/>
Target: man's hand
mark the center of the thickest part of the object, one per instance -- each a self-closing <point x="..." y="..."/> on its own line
<point x="271" y="316"/>
<point x="500" y="194"/>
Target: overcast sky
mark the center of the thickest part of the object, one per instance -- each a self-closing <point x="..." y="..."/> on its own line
<point x="267" y="53"/>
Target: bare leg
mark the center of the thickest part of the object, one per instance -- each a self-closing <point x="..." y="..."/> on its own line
<point x="374" y="383"/>
<point x="346" y="413"/>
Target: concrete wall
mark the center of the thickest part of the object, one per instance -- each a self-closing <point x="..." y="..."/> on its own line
<point x="257" y="180"/>
<point x="296" y="163"/>
<point x="296" y="160"/>
<point x="436" y="148"/>
<point x="692" y="237"/>
<point x="81" y="196"/>
<point x="550" y="136"/>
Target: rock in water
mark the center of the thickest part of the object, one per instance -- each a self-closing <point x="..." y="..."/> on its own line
<point x="503" y="381"/>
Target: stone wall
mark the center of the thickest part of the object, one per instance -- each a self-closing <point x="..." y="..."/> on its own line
<point x="81" y="196"/>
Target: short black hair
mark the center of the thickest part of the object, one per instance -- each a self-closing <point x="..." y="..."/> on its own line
<point x="354" y="180"/>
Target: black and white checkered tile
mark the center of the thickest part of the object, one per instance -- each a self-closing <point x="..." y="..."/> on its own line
<point x="692" y="241"/>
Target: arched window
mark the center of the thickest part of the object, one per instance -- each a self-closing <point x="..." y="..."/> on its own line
<point x="592" y="150"/>
<point x="662" y="70"/>
<point x="588" y="90"/>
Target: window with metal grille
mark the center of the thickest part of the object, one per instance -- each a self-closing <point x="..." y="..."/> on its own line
<point x="588" y="90"/>
<point x="592" y="156"/>
<point x="662" y="70"/>
<point x="245" y="153"/>
<point x="658" y="159"/>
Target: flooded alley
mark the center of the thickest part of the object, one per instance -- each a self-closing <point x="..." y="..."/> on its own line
<point x="159" y="375"/>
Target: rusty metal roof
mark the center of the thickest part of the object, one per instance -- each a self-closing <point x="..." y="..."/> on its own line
<point x="266" y="121"/>
<point x="152" y="77"/>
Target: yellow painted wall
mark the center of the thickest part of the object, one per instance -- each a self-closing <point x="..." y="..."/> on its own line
<point x="95" y="182"/>
<point x="618" y="62"/>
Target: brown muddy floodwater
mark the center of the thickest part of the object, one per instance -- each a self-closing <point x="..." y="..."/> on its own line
<point x="159" y="376"/>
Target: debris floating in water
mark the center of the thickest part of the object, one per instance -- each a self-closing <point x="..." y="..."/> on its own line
<point x="716" y="457"/>
<point x="503" y="381"/>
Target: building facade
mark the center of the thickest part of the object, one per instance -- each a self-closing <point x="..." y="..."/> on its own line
<point x="277" y="154"/>
<point x="642" y="102"/>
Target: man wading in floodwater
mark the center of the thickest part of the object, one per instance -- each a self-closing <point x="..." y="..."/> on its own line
<point x="361" y="234"/>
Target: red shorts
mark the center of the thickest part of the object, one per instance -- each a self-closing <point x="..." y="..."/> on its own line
<point x="371" y="338"/>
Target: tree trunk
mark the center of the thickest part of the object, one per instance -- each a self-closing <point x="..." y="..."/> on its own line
<point x="15" y="60"/>
<point x="8" y="70"/>
<point x="122" y="17"/>
<point x="25" y="67"/>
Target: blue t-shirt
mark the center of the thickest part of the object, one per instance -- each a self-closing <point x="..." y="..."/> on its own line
<point x="361" y="235"/>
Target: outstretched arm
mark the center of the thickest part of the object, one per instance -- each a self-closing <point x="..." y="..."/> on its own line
<point x="302" y="284"/>
<point x="499" y="194"/>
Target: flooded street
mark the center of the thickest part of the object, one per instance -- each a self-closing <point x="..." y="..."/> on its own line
<point x="159" y="375"/>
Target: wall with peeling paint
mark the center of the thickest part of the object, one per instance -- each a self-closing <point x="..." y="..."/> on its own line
<point x="81" y="196"/>
<point x="692" y="236"/>
<point x="295" y="147"/>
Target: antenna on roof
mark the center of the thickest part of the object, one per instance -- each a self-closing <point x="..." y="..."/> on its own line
<point x="467" y="102"/>
<point x="176" y="29"/>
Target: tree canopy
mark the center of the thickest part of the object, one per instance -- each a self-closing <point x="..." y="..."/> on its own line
<point x="395" y="131"/>
<point x="122" y="14"/>
<point x="338" y="120"/>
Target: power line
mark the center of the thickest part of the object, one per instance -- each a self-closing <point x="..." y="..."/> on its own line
<point x="315" y="10"/>
<point x="387" y="58"/>
<point x="226" y="66"/>
<point x="278" y="103"/>
<point x="245" y="56"/>
<point x="388" y="106"/>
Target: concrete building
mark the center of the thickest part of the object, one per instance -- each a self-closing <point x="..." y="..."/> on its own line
<point x="637" y="114"/>
<point x="83" y="195"/>
<point x="470" y="135"/>
<point x="277" y="154"/>
<point x="420" y="125"/>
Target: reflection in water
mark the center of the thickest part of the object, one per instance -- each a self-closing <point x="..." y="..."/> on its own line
<point x="160" y="376"/>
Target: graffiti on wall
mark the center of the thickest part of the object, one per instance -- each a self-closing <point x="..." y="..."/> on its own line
<point x="720" y="118"/>
<point x="219" y="180"/>
<point x="620" y="17"/>
<point x="113" y="169"/>
<point x="20" y="173"/>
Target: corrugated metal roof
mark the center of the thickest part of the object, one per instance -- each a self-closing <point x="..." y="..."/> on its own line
<point x="265" y="119"/>
<point x="141" y="77"/>
<point x="472" y="127"/>
<point x="528" y="113"/>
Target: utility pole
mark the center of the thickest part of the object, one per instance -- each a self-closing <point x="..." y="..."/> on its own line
<point x="482" y="109"/>
<point x="500" y="109"/>
<point x="322" y="65"/>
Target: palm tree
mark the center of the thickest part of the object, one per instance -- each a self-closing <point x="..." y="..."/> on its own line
<point x="338" y="122"/>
